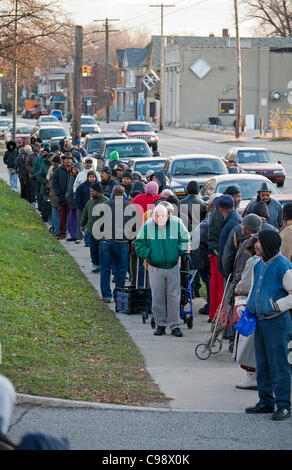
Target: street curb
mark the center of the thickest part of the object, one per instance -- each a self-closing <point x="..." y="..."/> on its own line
<point x="22" y="399"/>
<point x="45" y="402"/>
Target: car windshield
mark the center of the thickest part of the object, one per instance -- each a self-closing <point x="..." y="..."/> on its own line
<point x="23" y="130"/>
<point x="129" y="150"/>
<point x="198" y="166"/>
<point x="255" y="156"/>
<point x="94" y="145"/>
<point x="5" y="123"/>
<point x="154" y="165"/>
<point x="139" y="128"/>
<point x="248" y="188"/>
<point x="46" y="134"/>
<point x="88" y="121"/>
<point x="48" y="119"/>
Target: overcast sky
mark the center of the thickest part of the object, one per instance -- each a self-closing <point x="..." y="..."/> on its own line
<point x="190" y="17"/>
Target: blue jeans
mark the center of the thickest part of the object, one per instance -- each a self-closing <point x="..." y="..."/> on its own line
<point x="117" y="252"/>
<point x="37" y="440"/>
<point x="13" y="181"/>
<point x="55" y="219"/>
<point x="272" y="366"/>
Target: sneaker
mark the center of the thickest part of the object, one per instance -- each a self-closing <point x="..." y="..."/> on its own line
<point x="71" y="240"/>
<point x="95" y="269"/>
<point x="61" y="237"/>
<point x="281" y="413"/>
<point x="250" y="382"/>
<point x="86" y="245"/>
<point x="160" y="330"/>
<point x="257" y="409"/>
<point x="177" y="332"/>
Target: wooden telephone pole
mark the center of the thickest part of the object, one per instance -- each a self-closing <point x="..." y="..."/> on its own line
<point x="161" y="91"/>
<point x="76" y="115"/>
<point x="239" y="77"/>
<point x="107" y="79"/>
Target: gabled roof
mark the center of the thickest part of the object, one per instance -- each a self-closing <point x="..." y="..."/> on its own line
<point x="132" y="56"/>
<point x="120" y="57"/>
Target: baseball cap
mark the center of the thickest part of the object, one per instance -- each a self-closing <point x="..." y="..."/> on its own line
<point x="225" y="201"/>
<point x="106" y="169"/>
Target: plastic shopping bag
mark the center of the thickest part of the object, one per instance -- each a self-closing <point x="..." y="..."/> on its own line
<point x="246" y="324"/>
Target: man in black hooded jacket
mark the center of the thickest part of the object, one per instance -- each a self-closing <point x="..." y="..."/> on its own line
<point x="10" y="161"/>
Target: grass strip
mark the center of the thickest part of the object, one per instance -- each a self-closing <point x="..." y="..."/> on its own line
<point x="58" y="339"/>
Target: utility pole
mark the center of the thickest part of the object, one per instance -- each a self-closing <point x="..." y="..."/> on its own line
<point x="15" y="74"/>
<point x="239" y="78"/>
<point x="76" y="115"/>
<point x="161" y="6"/>
<point x="107" y="78"/>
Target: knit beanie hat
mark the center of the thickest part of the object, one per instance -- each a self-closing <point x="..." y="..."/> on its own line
<point x="127" y="174"/>
<point x="193" y="187"/>
<point x="114" y="155"/>
<point x="261" y="209"/>
<point x="232" y="190"/>
<point x="97" y="187"/>
<point x="271" y="243"/>
<point x="253" y="222"/>
<point x="151" y="188"/>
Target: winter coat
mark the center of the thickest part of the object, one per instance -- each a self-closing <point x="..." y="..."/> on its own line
<point x="123" y="215"/>
<point x="160" y="175"/>
<point x="87" y="217"/>
<point x="107" y="186"/>
<point x="60" y="180"/>
<point x="215" y="226"/>
<point x="42" y="176"/>
<point x="70" y="197"/>
<point x="285" y="233"/>
<point x="20" y="164"/>
<point x="10" y="155"/>
<point x="228" y="224"/>
<point x="190" y="201"/>
<point x="275" y="211"/>
<point x="162" y="247"/>
<point x="146" y="201"/>
<point x="200" y="258"/>
<point x="29" y="162"/>
<point x="82" y="195"/>
<point x="244" y="285"/>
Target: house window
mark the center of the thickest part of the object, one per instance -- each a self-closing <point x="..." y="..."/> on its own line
<point x="227" y="107"/>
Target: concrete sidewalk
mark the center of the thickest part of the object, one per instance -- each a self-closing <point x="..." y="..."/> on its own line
<point x="251" y="138"/>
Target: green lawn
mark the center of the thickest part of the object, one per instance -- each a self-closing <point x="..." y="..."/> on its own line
<point x="58" y="339"/>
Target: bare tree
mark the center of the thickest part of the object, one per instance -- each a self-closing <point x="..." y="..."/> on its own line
<point x="274" y="16"/>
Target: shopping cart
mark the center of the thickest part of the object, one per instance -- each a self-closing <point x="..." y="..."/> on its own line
<point x="219" y="324"/>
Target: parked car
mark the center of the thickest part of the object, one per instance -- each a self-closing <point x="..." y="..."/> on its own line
<point x="47" y="132"/>
<point x="3" y="112"/>
<point x="4" y="125"/>
<point x="128" y="149"/>
<point x="22" y="133"/>
<point x="141" y="130"/>
<point x="88" y="126"/>
<point x="258" y="161"/>
<point x="47" y="120"/>
<point x="145" y="164"/>
<point x="56" y="140"/>
<point x="181" y="169"/>
<point x="94" y="143"/>
<point x="247" y="184"/>
<point x="57" y="113"/>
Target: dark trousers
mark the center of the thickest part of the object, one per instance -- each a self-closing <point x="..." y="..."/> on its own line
<point x="205" y="276"/>
<point x="117" y="252"/>
<point x="31" y="190"/>
<point x="94" y="250"/>
<point x="272" y="366"/>
<point x="63" y="212"/>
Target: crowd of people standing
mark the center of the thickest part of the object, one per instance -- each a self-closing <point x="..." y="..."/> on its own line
<point x="251" y="250"/>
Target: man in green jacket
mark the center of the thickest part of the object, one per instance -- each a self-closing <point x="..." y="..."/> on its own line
<point x="161" y="241"/>
<point x="96" y="197"/>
